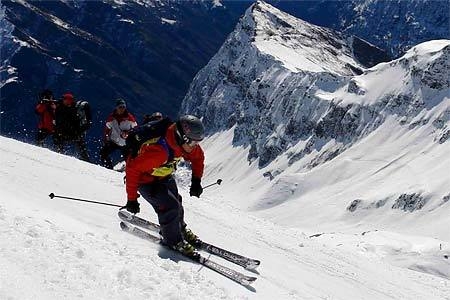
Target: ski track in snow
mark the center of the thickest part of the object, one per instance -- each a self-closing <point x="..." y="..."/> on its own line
<point x="58" y="249"/>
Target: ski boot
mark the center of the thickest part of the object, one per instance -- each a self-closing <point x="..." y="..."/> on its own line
<point x="186" y="249"/>
<point x="191" y="237"/>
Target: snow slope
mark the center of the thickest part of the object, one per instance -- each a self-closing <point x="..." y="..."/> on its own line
<point x="59" y="249"/>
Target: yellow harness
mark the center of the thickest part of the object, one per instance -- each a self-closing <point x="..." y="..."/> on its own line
<point x="170" y="165"/>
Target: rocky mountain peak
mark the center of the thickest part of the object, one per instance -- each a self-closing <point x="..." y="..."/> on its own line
<point x="295" y="92"/>
<point x="315" y="48"/>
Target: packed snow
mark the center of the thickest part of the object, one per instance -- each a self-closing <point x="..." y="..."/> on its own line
<point x="62" y="249"/>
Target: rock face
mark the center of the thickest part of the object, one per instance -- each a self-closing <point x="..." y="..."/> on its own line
<point x="410" y="202"/>
<point x="144" y="51"/>
<point x="299" y="91"/>
<point x="399" y="25"/>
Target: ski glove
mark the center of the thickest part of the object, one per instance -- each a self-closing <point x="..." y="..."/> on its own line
<point x="196" y="187"/>
<point x="132" y="206"/>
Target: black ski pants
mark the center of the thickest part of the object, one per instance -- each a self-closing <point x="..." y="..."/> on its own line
<point x="41" y="135"/>
<point x="107" y="149"/>
<point x="163" y="196"/>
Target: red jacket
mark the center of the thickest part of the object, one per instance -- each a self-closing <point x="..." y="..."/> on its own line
<point x="139" y="169"/>
<point x="46" y="111"/>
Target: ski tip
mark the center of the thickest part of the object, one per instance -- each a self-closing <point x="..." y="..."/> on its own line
<point x="248" y="281"/>
<point x="124" y="226"/>
<point x="125" y="215"/>
<point x="253" y="265"/>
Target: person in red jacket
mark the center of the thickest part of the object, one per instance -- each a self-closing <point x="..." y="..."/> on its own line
<point x="117" y="126"/>
<point x="150" y="173"/>
<point x="46" y="111"/>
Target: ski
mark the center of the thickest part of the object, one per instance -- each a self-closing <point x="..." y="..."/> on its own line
<point x="135" y="220"/>
<point x="247" y="263"/>
<point x="225" y="271"/>
<point x="139" y="233"/>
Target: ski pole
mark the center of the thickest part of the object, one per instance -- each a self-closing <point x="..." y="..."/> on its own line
<point x="218" y="182"/>
<point x="82" y="200"/>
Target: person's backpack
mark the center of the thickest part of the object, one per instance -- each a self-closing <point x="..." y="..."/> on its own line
<point x="143" y="133"/>
<point x="84" y="114"/>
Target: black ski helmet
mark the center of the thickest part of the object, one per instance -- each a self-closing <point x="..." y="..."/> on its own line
<point x="46" y="95"/>
<point x="190" y="128"/>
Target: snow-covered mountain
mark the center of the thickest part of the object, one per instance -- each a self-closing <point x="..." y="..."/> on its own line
<point x="286" y="94"/>
<point x="265" y="77"/>
<point x="335" y="175"/>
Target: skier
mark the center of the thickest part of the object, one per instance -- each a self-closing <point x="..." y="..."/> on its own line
<point x="118" y="123"/>
<point x="46" y="111"/>
<point x="68" y="127"/>
<point x="150" y="173"/>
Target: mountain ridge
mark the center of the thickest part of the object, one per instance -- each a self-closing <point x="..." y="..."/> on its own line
<point x="300" y="127"/>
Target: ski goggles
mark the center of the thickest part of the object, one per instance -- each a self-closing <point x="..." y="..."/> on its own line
<point x="192" y="143"/>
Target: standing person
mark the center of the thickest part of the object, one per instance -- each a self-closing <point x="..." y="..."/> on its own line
<point x="68" y="127"/>
<point x="118" y="123"/>
<point x="46" y="111"/>
<point x="150" y="173"/>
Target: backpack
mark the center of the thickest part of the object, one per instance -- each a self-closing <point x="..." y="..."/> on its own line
<point x="84" y="114"/>
<point x="139" y="135"/>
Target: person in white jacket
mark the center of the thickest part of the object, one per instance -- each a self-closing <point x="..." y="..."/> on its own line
<point x="118" y="123"/>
